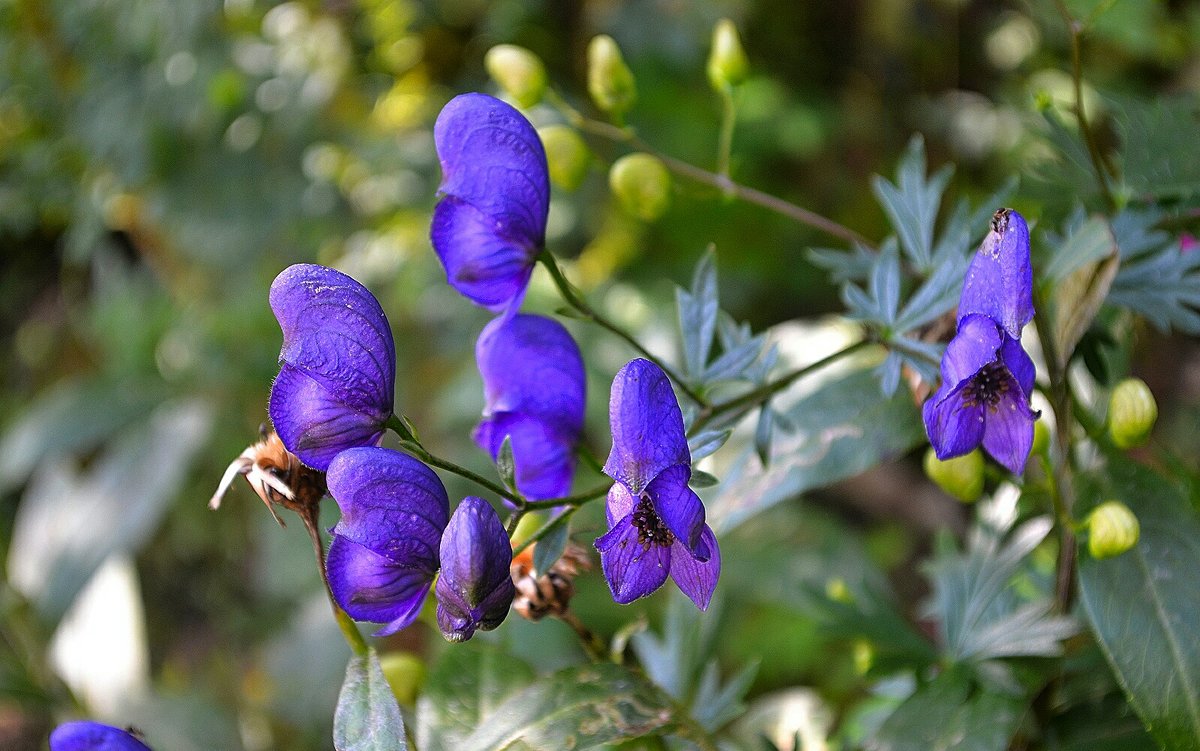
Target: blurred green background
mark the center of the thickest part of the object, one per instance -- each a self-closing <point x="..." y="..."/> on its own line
<point x="160" y="162"/>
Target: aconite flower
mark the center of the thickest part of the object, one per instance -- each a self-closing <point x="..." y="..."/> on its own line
<point x="474" y="590"/>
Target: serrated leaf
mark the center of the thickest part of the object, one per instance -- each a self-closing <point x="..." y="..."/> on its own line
<point x="715" y="704"/>
<point x="733" y="363"/>
<point x="367" y="717"/>
<point x="550" y="548"/>
<point x="912" y="202"/>
<point x="885" y="283"/>
<point x="1164" y="287"/>
<point x="698" y="313"/>
<point x="465" y="686"/>
<point x="938" y="294"/>
<point x="844" y="266"/>
<point x="946" y="714"/>
<point x="1086" y="244"/>
<point x="707" y="442"/>
<point x="1142" y="605"/>
<point x="1077" y="300"/>
<point x="580" y="707"/>
<point x="505" y="466"/>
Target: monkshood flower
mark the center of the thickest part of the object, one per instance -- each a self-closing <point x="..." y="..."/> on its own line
<point x="987" y="379"/>
<point x="656" y="522"/>
<point x="337" y="377"/>
<point x="999" y="281"/>
<point x="533" y="385"/>
<point x="384" y="552"/>
<point x="85" y="735"/>
<point x="490" y="224"/>
<point x="475" y="589"/>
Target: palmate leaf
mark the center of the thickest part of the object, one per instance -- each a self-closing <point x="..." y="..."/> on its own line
<point x="947" y="713"/>
<point x="912" y="202"/>
<point x="1163" y="287"/>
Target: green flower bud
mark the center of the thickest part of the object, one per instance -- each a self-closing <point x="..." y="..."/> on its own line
<point x="1112" y="529"/>
<point x="642" y="184"/>
<point x="405" y="673"/>
<point x="1131" y="413"/>
<point x="567" y="155"/>
<point x="727" y="64"/>
<point x="518" y="72"/>
<point x="961" y="476"/>
<point x="610" y="81"/>
<point x="1041" y="437"/>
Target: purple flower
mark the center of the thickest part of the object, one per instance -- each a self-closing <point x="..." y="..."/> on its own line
<point x="337" y="377"/>
<point x="533" y="384"/>
<point x="385" y="547"/>
<point x="984" y="397"/>
<point x="491" y="222"/>
<point x="474" y="590"/>
<point x="85" y="735"/>
<point x="999" y="282"/>
<point x="656" y="522"/>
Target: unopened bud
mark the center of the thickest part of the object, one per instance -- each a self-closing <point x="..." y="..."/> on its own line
<point x="727" y="64"/>
<point x="566" y="154"/>
<point x="518" y="72"/>
<point x="961" y="476"/>
<point x="610" y="81"/>
<point x="1112" y="529"/>
<point x="405" y="673"/>
<point x="474" y="590"/>
<point x="642" y="184"/>
<point x="1132" y="412"/>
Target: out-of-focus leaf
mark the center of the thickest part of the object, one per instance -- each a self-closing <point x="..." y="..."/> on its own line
<point x="367" y="717"/>
<point x="937" y="295"/>
<point x="764" y="430"/>
<point x="706" y="442"/>
<point x="1142" y="605"/>
<point x="732" y="363"/>
<point x="716" y="704"/>
<point x="1164" y="287"/>
<point x="184" y="721"/>
<point x="1089" y="243"/>
<point x="702" y="479"/>
<point x="465" y="686"/>
<point x="844" y="266"/>
<point x="580" y="707"/>
<point x="877" y="304"/>
<point x="1158" y="146"/>
<point x="505" y="465"/>
<point x="1077" y="300"/>
<point x="550" y="548"/>
<point x="698" y="313"/>
<point x="674" y="659"/>
<point x="946" y="714"/>
<point x="912" y="202"/>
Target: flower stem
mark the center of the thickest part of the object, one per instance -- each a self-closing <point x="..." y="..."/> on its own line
<point x="725" y="144"/>
<point x="416" y="449"/>
<point x="349" y="631"/>
<point x="576" y="301"/>
<point x="1075" y="29"/>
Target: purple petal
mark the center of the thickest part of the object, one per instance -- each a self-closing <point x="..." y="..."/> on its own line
<point x="85" y="735"/>
<point x="475" y="588"/>
<point x="313" y="423"/>
<point x="490" y="268"/>
<point x="974" y="346"/>
<point x="1018" y="363"/>
<point x="647" y="426"/>
<point x="372" y="587"/>
<point x="697" y="578"/>
<point x="619" y="504"/>
<point x="1008" y="430"/>
<point x="678" y="506"/>
<point x="391" y="503"/>
<point x="531" y="365"/>
<point x="999" y="282"/>
<point x="953" y="428"/>
<point x="631" y="569"/>
<point x="544" y="459"/>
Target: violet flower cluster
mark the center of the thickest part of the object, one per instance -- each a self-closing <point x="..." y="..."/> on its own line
<point x="987" y="377"/>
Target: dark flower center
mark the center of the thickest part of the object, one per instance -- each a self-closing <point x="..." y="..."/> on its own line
<point x="650" y="527"/>
<point x="987" y="386"/>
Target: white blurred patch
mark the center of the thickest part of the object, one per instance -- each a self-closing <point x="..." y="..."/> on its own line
<point x="784" y="716"/>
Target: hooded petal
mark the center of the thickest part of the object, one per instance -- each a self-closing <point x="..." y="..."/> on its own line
<point x="999" y="282"/>
<point x="487" y="266"/>
<point x="531" y="365"/>
<point x="1018" y="363"/>
<point x="85" y="735"/>
<point x="696" y="578"/>
<point x="631" y="569"/>
<point x="475" y="588"/>
<point x="973" y="346"/>
<point x="647" y="426"/>
<point x="544" y="459"/>
<point x="1008" y="429"/>
<point x="953" y="428"/>
<point x="678" y="506"/>
<point x="313" y="423"/>
<point x="373" y="587"/>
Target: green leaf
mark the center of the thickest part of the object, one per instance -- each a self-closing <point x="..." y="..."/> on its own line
<point x="1088" y="243"/>
<point x="1142" y="605"/>
<point x="912" y="202"/>
<point x="467" y="683"/>
<point x="1077" y="300"/>
<point x="367" y="717"/>
<point x="550" y="548"/>
<point x="577" y="708"/>
<point x="505" y="465"/>
<point x="702" y="479"/>
<point x="698" y="313"/>
<point x="1158" y="146"/>
<point x="706" y="442"/>
<point x="947" y="714"/>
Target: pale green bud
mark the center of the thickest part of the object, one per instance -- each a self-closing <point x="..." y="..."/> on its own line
<point x="961" y="476"/>
<point x="405" y="673"/>
<point x="610" y="81"/>
<point x="518" y="72"/>
<point x="727" y="64"/>
<point x="566" y="154"/>
<point x="1112" y="529"/>
<point x="642" y="184"/>
<point x="1132" y="412"/>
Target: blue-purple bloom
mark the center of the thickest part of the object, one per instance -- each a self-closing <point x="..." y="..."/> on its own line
<point x="656" y="522"/>
<point x="534" y="388"/>
<point x="336" y="381"/>
<point x="475" y="589"/>
<point x="491" y="222"/>
<point x="384" y="553"/>
<point x="987" y="377"/>
<point x="85" y="735"/>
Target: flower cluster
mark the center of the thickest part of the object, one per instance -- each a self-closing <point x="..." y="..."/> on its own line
<point x="987" y="377"/>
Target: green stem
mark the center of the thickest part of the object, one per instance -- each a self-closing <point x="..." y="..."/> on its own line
<point x="416" y="449"/>
<point x="571" y="500"/>
<point x="576" y="301"/>
<point x="725" y="144"/>
<point x="1075" y="29"/>
<point x="345" y="624"/>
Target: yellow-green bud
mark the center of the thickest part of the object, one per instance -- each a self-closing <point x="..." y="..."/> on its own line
<point x="405" y="673"/>
<point x="1131" y="413"/>
<point x="518" y="72"/>
<point x="961" y="476"/>
<point x="642" y="184"/>
<point x="727" y="64"/>
<point x="1041" y="437"/>
<point x="567" y="155"/>
<point x="610" y="81"/>
<point x="1112" y="529"/>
